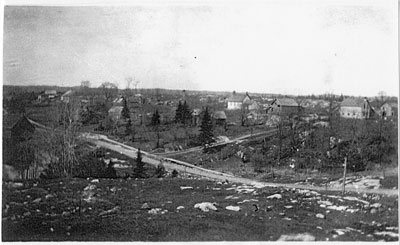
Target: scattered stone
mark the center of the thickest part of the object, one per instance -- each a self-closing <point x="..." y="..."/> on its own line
<point x="287" y="218"/>
<point x="51" y="229"/>
<point x="180" y="207"/>
<point x="27" y="214"/>
<point x="297" y="237"/>
<point x="95" y="181"/>
<point x="269" y="208"/>
<point x="320" y="216"/>
<point x="205" y="206"/>
<point x="28" y="196"/>
<point x="66" y="213"/>
<point x="145" y="206"/>
<point x="276" y="196"/>
<point x="288" y="207"/>
<point x="154" y="211"/>
<point x="114" y="189"/>
<point x="233" y="208"/>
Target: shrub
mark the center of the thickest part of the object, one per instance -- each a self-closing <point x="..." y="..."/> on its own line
<point x="160" y="171"/>
<point x="259" y="162"/>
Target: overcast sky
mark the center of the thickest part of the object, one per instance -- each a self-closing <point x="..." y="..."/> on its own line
<point x="292" y="47"/>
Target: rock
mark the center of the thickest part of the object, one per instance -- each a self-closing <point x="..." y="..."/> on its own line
<point x="145" y="206"/>
<point x="95" y="181"/>
<point x="373" y="210"/>
<point x="51" y="229"/>
<point x="27" y="214"/>
<point x="114" y="189"/>
<point x="205" y="206"/>
<point x="37" y="200"/>
<point x="180" y="207"/>
<point x="297" y="237"/>
<point x="66" y="213"/>
<point x="320" y="216"/>
<point x="276" y="196"/>
<point x="269" y="208"/>
<point x="186" y="187"/>
<point x="233" y="208"/>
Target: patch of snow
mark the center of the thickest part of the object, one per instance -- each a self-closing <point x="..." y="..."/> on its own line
<point x="277" y="196"/>
<point x="233" y="208"/>
<point x="186" y="187"/>
<point x="231" y="197"/>
<point x="297" y="237"/>
<point x="180" y="207"/>
<point x="339" y="208"/>
<point x="386" y="233"/>
<point x="205" y="206"/>
<point x="248" y="200"/>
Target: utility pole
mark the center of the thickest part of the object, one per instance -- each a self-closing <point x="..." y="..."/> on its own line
<point x="344" y="175"/>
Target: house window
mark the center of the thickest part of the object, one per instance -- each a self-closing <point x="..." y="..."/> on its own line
<point x="348" y="113"/>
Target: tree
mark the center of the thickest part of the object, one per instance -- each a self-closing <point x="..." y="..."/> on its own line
<point x="139" y="171"/>
<point x="128" y="127"/>
<point x="125" y="110"/>
<point x="179" y="113"/>
<point x="85" y="84"/>
<point x="109" y="90"/>
<point x="186" y="113"/>
<point x="206" y="135"/>
<point x="155" y="119"/>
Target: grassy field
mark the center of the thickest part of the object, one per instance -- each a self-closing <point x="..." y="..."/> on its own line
<point x="61" y="214"/>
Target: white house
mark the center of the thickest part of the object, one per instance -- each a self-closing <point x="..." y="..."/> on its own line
<point x="236" y="101"/>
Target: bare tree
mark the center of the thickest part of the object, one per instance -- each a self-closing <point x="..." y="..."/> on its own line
<point x="109" y="90"/>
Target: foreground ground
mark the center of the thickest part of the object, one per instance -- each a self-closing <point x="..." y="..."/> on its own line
<point x="115" y="210"/>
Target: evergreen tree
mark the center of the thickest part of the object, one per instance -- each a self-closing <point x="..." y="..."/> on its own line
<point x="128" y="127"/>
<point x="206" y="129"/>
<point x="178" y="113"/>
<point x="139" y="171"/>
<point x="155" y="119"/>
<point x="125" y="110"/>
<point x="186" y="114"/>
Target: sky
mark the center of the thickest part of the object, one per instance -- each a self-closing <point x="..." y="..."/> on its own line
<point x="289" y="47"/>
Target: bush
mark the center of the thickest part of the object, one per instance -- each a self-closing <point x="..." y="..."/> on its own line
<point x="160" y="171"/>
<point x="259" y="162"/>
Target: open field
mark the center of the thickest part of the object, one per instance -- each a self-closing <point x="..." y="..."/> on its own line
<point x="55" y="210"/>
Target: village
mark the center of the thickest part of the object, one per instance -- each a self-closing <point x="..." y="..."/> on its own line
<point x="295" y="140"/>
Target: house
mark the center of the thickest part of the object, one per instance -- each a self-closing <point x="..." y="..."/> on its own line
<point x="388" y="109"/>
<point x="65" y="97"/>
<point x="115" y="112"/>
<point x="237" y="101"/>
<point x="356" y="108"/>
<point x="219" y="117"/>
<point x="47" y="95"/>
<point x="284" y="106"/>
<point x="254" y="106"/>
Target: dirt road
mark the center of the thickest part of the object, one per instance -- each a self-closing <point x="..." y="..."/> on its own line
<point x="184" y="167"/>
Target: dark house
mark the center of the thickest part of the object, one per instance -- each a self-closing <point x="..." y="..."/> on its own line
<point x="284" y="106"/>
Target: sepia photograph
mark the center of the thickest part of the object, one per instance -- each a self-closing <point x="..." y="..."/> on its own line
<point x="200" y="121"/>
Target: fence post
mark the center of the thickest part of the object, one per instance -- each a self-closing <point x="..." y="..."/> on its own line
<point x="344" y="175"/>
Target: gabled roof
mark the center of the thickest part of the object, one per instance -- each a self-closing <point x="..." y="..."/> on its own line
<point x="352" y="102"/>
<point x="285" y="102"/>
<point x="219" y="115"/>
<point x="50" y="92"/>
<point x="236" y="98"/>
